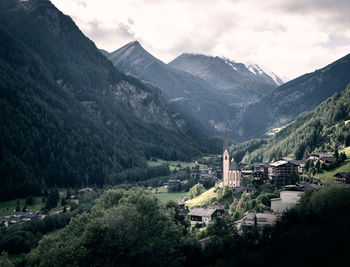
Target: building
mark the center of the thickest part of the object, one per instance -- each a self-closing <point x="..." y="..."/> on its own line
<point x="261" y="167"/>
<point x="231" y="173"/>
<point x="300" y="165"/>
<point x="84" y="190"/>
<point x="290" y="196"/>
<point x="342" y="177"/>
<point x="323" y="157"/>
<point x="283" y="168"/>
<point x="205" y="215"/>
<point x="252" y="218"/>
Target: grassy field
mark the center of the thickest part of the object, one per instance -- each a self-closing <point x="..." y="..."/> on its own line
<point x="328" y="176"/>
<point x="7" y="207"/>
<point x="165" y="197"/>
<point x="203" y="199"/>
<point x="174" y="164"/>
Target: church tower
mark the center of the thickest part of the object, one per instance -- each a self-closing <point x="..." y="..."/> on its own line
<point x="225" y="163"/>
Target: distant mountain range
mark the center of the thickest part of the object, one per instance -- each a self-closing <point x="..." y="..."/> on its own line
<point x="209" y="90"/>
<point x="242" y="83"/>
<point x="289" y="100"/>
<point x="191" y="96"/>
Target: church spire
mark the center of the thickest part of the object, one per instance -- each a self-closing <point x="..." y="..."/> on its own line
<point x="225" y="142"/>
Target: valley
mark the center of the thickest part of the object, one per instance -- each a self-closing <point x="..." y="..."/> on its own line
<point x="120" y="159"/>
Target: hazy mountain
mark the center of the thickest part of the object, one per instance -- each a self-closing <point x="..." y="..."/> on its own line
<point x="289" y="100"/>
<point x="67" y="116"/>
<point x="241" y="83"/>
<point x="190" y="95"/>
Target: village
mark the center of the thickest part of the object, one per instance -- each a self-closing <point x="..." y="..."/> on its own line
<point x="284" y="180"/>
<point x="287" y="175"/>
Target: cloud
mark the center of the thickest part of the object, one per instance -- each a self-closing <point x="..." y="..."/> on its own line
<point x="289" y="37"/>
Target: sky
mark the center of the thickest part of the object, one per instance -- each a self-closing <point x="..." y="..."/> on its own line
<point x="288" y="37"/>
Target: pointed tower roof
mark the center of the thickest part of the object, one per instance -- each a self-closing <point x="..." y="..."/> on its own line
<point x="225" y="142"/>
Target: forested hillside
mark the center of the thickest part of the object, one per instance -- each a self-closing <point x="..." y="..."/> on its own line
<point x="67" y="116"/>
<point x="319" y="129"/>
<point x="293" y="98"/>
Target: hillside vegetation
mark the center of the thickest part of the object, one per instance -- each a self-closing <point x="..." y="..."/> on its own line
<point x="293" y="98"/>
<point x="316" y="130"/>
<point x="67" y="116"/>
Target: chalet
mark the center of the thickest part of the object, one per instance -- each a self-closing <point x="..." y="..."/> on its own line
<point x="181" y="204"/>
<point x="252" y="218"/>
<point x="245" y="189"/>
<point x="259" y="175"/>
<point x="300" y="165"/>
<point x="323" y="157"/>
<point x="84" y="190"/>
<point x="247" y="173"/>
<point x="205" y="215"/>
<point x="342" y="177"/>
<point x="261" y="167"/>
<point x="282" y="168"/>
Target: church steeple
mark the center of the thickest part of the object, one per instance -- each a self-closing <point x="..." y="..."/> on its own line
<point x="225" y="142"/>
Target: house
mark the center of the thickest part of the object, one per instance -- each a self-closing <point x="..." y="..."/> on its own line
<point x="205" y="215"/>
<point x="342" y="177"/>
<point x="290" y="196"/>
<point x="4" y="223"/>
<point x="323" y="157"/>
<point x="259" y="175"/>
<point x="180" y="203"/>
<point x="245" y="189"/>
<point x="246" y="173"/>
<point x="252" y="218"/>
<point x="300" y="164"/>
<point x="262" y="167"/>
<point x="84" y="190"/>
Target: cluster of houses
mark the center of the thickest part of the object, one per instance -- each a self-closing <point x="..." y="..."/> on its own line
<point x="20" y="217"/>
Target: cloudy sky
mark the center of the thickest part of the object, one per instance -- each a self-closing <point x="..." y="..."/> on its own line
<point x="288" y="37"/>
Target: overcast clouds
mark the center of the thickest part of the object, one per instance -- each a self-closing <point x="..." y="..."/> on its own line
<point x="288" y="37"/>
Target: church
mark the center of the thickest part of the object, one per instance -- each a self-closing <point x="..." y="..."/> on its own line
<point x="231" y="174"/>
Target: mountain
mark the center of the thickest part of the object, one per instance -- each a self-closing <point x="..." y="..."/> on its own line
<point x="289" y="100"/>
<point x="319" y="129"/>
<point x="241" y="83"/>
<point x="193" y="97"/>
<point x="256" y="70"/>
<point x="67" y="116"/>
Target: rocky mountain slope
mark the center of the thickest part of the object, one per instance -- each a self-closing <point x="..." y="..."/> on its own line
<point x="193" y="97"/>
<point x="241" y="83"/>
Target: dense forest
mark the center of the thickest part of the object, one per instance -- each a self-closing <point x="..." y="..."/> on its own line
<point x="129" y="228"/>
<point x="68" y="117"/>
<point x="319" y="129"/>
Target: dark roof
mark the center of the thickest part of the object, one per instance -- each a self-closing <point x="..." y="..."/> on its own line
<point x="345" y="175"/>
<point x="233" y="165"/>
<point x="207" y="211"/>
<point x="293" y="188"/>
<point x="298" y="162"/>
